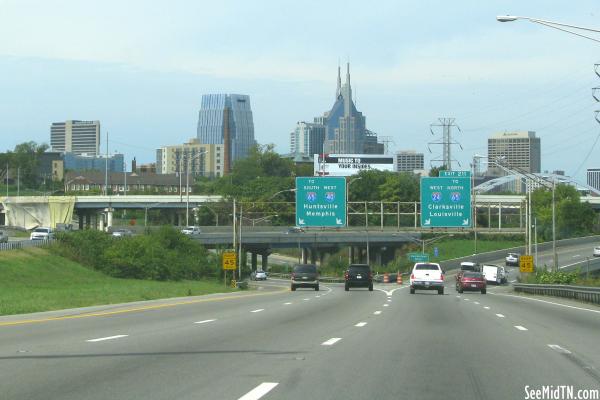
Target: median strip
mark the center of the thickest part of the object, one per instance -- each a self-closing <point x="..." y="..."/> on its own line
<point x="106" y="338"/>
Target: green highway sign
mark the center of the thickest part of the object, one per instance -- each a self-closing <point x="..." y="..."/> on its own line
<point x="321" y="201"/>
<point x="455" y="174"/>
<point x="418" y="257"/>
<point x="446" y="202"/>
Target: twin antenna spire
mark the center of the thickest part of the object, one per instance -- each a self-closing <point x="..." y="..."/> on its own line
<point x="338" y="92"/>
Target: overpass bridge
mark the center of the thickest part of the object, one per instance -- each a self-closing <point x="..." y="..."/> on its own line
<point x="97" y="211"/>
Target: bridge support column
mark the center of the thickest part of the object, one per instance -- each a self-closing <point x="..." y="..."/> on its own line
<point x="265" y="261"/>
<point x="179" y="218"/>
<point x="88" y="219"/>
<point x="378" y="257"/>
<point x="80" y="217"/>
<point x="304" y="255"/>
<point x="109" y="218"/>
<point x="350" y="254"/>
<point x="100" y="219"/>
<point x="254" y="261"/>
<point x="313" y="255"/>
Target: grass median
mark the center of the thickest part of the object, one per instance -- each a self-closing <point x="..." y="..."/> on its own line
<point x="34" y="279"/>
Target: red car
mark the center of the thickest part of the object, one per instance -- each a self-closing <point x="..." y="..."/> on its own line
<point x="474" y="281"/>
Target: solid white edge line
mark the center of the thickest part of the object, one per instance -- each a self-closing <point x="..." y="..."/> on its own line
<point x="559" y="349"/>
<point x="500" y="315"/>
<point x="331" y="341"/>
<point x="548" y="302"/>
<point x="259" y="391"/>
<point x="521" y="328"/>
<point x="106" y="338"/>
<point x="205" y="321"/>
<point x="259" y="310"/>
<point x="360" y="324"/>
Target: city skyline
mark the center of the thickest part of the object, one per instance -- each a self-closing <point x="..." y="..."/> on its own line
<point x="144" y="79"/>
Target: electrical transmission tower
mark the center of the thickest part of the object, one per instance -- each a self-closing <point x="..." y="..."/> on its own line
<point x="387" y="140"/>
<point x="446" y="141"/>
<point x="596" y="90"/>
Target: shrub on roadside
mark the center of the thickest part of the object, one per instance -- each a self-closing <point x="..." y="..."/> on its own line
<point x="165" y="254"/>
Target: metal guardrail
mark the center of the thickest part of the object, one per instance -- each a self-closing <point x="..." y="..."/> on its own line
<point x="581" y="293"/>
<point x="23" y="244"/>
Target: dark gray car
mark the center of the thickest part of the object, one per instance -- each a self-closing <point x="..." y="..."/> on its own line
<point x="305" y="275"/>
<point x="358" y="275"/>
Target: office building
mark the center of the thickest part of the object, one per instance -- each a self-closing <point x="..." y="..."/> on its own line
<point x="86" y="162"/>
<point x="226" y="119"/>
<point x="520" y="150"/>
<point x="204" y="159"/>
<point x="344" y="124"/>
<point x="77" y="137"/>
<point x="50" y="166"/>
<point x="409" y="161"/>
<point x="593" y="178"/>
<point x="307" y="139"/>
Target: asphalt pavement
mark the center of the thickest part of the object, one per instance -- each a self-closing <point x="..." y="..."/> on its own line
<point x="272" y="343"/>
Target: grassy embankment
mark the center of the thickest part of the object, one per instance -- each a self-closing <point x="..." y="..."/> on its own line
<point x="34" y="280"/>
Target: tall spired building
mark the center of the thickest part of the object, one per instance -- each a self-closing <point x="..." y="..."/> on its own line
<point x="345" y="129"/>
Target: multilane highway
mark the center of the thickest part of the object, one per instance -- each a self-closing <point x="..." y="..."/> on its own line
<point x="275" y="344"/>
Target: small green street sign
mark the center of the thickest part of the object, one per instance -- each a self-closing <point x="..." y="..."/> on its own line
<point x="455" y="174"/>
<point x="418" y="257"/>
<point x="446" y="202"/>
<point x="321" y="201"/>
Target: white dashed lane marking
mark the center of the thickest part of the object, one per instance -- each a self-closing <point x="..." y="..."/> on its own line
<point x="331" y="341"/>
<point x="521" y="328"/>
<point x="556" y="347"/>
<point x="259" y="391"/>
<point x="499" y="315"/>
<point x="259" y="310"/>
<point x="385" y="305"/>
<point x="486" y="307"/>
<point x="206" y="321"/>
<point x="106" y="338"/>
<point x="377" y="312"/>
<point x="360" y="324"/>
<point x="287" y="304"/>
<point x="475" y="302"/>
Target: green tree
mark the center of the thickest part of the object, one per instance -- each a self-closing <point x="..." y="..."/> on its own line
<point x="435" y="171"/>
<point x="573" y="217"/>
<point x="400" y="187"/>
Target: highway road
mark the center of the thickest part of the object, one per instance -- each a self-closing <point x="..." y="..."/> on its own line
<point x="275" y="344"/>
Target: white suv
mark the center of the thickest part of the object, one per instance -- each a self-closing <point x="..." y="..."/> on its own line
<point x="427" y="276"/>
<point x="191" y="230"/>
<point x="42" y="234"/>
<point x="597" y="251"/>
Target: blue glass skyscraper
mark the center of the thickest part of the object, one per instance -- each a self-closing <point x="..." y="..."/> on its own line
<point x="227" y="119"/>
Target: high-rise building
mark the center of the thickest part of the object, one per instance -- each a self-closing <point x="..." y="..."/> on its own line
<point x="204" y="159"/>
<point x="77" y="137"/>
<point x="226" y="119"/>
<point x="409" y="161"/>
<point x="519" y="149"/>
<point x="344" y="124"/>
<point x="307" y="139"/>
<point x="593" y="178"/>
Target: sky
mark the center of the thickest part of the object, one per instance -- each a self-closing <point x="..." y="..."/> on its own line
<point x="141" y="67"/>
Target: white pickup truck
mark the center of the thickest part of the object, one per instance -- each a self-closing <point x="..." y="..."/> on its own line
<point x="427" y="276"/>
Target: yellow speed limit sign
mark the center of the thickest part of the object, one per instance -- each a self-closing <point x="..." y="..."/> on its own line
<point x="526" y="263"/>
<point x="229" y="261"/>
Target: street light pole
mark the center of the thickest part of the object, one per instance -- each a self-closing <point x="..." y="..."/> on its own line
<point x="187" y="186"/>
<point x="551" y="24"/>
<point x="555" y="255"/>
